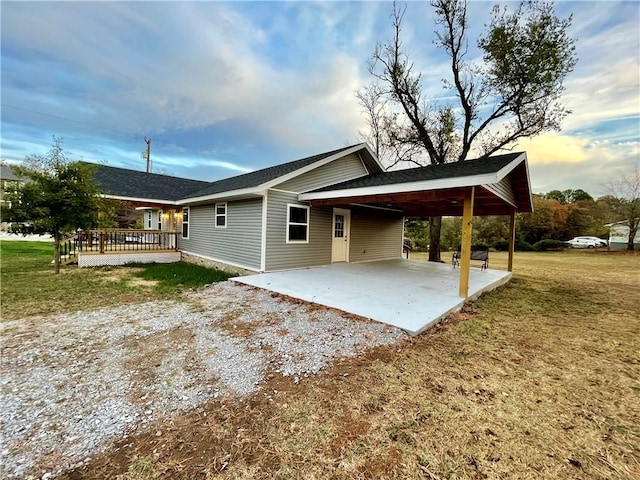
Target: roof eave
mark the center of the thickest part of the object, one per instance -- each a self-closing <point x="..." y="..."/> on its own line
<point x="426" y="185"/>
<point x="137" y="199"/>
<point x="240" y="193"/>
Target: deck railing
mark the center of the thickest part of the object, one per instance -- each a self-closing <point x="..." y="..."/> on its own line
<point x="118" y="240"/>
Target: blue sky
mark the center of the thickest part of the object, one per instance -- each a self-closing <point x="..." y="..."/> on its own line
<point x="223" y="88"/>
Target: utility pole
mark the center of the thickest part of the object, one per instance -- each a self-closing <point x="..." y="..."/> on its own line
<point x="147" y="154"/>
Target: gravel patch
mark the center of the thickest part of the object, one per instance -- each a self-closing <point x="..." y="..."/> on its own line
<point x="73" y="384"/>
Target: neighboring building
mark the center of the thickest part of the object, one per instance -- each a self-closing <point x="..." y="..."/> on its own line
<point x="339" y="206"/>
<point x="619" y="236"/>
<point x="7" y="177"/>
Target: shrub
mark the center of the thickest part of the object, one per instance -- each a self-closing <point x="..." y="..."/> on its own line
<point x="523" y="246"/>
<point x="548" y="244"/>
<point x="501" y="246"/>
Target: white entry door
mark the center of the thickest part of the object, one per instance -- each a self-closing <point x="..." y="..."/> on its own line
<point x="341" y="230"/>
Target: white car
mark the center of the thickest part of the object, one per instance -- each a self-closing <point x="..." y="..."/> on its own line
<point x="587" y="242"/>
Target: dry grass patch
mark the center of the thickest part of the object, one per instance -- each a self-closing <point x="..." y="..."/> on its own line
<point x="539" y="379"/>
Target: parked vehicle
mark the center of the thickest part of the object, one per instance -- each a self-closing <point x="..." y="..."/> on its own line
<point x="587" y="242"/>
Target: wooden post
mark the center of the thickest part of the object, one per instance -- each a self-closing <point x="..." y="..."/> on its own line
<point x="512" y="239"/>
<point x="465" y="250"/>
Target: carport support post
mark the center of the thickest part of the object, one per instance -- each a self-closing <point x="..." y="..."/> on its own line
<point x="465" y="248"/>
<point x="512" y="239"/>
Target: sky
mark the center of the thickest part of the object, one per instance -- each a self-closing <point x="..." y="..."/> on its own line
<point x="224" y="88"/>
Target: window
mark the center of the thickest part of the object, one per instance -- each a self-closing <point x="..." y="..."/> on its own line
<point x="159" y="219"/>
<point x="338" y="231"/>
<point x="297" y="224"/>
<point x="221" y="215"/>
<point x="185" y="222"/>
<point x="149" y="219"/>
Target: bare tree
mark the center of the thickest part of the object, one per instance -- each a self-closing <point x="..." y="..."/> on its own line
<point x="383" y="128"/>
<point x="514" y="94"/>
<point x="626" y="191"/>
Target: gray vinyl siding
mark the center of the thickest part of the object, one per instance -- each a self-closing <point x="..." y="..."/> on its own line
<point x="281" y="255"/>
<point x="238" y="244"/>
<point x="346" y="168"/>
<point x="375" y="235"/>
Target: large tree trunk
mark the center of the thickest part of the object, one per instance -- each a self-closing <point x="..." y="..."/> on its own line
<point x="633" y="229"/>
<point x="56" y="252"/>
<point x="435" y="226"/>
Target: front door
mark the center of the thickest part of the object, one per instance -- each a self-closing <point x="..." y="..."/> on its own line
<point x="341" y="229"/>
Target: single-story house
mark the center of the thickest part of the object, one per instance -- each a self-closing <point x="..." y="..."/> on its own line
<point x="619" y="236"/>
<point x="338" y="206"/>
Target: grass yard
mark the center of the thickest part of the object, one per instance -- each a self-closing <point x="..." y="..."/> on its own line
<point x="538" y="379"/>
<point x="30" y="287"/>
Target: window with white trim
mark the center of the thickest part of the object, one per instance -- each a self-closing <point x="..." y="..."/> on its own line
<point x="185" y="222"/>
<point x="149" y="219"/>
<point x="159" y="219"/>
<point x="221" y="215"/>
<point x="297" y="224"/>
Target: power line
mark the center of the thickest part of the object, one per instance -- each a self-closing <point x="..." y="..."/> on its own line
<point x="66" y="119"/>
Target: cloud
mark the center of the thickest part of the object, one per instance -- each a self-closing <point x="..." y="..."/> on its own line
<point x="560" y="161"/>
<point x="228" y="87"/>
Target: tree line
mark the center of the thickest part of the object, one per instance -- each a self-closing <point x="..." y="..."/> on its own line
<point x="558" y="216"/>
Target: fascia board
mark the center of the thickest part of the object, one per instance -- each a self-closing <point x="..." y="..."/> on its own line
<point x="504" y="171"/>
<point x="136" y="199"/>
<point x="426" y="185"/>
<point x="313" y="166"/>
<point x="225" y="194"/>
<point x="373" y="156"/>
<point x="522" y="158"/>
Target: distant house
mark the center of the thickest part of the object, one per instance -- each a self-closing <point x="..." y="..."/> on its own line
<point x="7" y="177"/>
<point x="619" y="236"/>
<point x="338" y="206"/>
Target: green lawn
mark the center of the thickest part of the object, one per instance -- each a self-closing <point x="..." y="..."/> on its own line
<point x="29" y="285"/>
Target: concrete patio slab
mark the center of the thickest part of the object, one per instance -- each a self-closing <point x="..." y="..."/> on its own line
<point x="409" y="294"/>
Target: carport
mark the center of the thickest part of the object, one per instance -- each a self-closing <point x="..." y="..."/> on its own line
<point x="497" y="185"/>
<point x="414" y="295"/>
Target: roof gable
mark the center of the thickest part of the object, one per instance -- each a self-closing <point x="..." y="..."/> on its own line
<point x="270" y="176"/>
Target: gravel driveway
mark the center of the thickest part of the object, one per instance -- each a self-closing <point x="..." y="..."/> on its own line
<point x="72" y="384"/>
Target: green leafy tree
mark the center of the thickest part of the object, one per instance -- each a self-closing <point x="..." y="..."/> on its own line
<point x="417" y="230"/>
<point x="57" y="197"/>
<point x="556" y="195"/>
<point x="527" y="54"/>
<point x="491" y="231"/>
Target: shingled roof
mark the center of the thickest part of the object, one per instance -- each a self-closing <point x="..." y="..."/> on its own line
<point x="431" y="172"/>
<point x="134" y="184"/>
<point x="7" y="173"/>
<point x="260" y="177"/>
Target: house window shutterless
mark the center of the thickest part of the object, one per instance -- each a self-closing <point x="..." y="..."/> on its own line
<point x="221" y="215"/>
<point x="297" y="224"/>
<point x="185" y="222"/>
